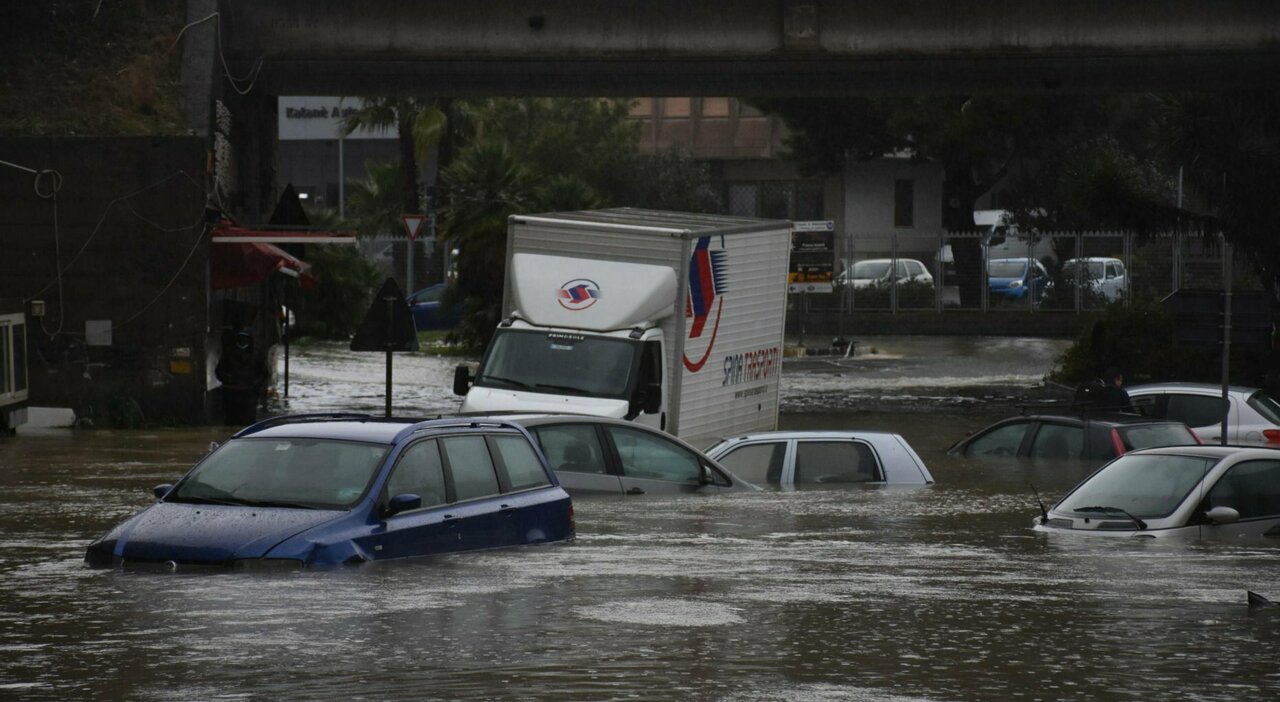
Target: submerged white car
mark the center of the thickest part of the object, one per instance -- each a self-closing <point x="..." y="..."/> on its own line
<point x="1186" y="491"/>
<point x="1253" y="416"/>
<point x="789" y="458"/>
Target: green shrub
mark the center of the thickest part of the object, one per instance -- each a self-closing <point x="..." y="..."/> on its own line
<point x="334" y="308"/>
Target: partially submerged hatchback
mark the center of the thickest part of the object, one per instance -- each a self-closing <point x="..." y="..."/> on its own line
<point x="790" y="458"/>
<point x="1195" y="491"/>
<point x="346" y="489"/>
<point x="1089" y="438"/>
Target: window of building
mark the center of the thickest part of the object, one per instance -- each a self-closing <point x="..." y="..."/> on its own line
<point x="676" y="107"/>
<point x="783" y="199"/>
<point x="904" y="197"/>
<point x="715" y="107"/>
<point x="745" y="110"/>
<point x="642" y="107"/>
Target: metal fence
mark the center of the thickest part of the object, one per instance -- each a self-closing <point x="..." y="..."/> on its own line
<point x="1067" y="272"/>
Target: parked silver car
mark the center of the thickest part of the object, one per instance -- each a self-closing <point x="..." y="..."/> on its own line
<point x="881" y="271"/>
<point x="603" y="455"/>
<point x="1254" y="416"/>
<point x="1188" y="491"/>
<point x="788" y="458"/>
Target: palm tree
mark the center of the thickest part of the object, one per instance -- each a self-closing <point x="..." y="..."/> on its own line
<point x="419" y="125"/>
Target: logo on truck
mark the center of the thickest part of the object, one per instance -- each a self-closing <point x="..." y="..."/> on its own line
<point x="578" y="294"/>
<point x="708" y="270"/>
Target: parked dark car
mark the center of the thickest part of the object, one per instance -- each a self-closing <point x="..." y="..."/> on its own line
<point x="1091" y="438"/>
<point x="428" y="312"/>
<point x="603" y="455"/>
<point x="345" y="489"/>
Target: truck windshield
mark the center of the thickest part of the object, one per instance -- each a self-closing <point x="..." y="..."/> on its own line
<point x="559" y="363"/>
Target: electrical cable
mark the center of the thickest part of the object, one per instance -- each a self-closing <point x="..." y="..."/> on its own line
<point x="254" y="71"/>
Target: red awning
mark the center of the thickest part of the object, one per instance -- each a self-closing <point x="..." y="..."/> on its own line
<point x="237" y="265"/>
<point x="228" y="232"/>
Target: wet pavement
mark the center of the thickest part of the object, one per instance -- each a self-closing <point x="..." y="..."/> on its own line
<point x="862" y="593"/>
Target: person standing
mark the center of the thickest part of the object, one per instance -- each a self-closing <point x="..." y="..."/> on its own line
<point x="242" y="371"/>
<point x="1113" y="395"/>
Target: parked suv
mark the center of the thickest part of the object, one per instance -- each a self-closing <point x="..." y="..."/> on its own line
<point x="1105" y="276"/>
<point x="1253" y="418"/>
<point x="345" y="489"/>
<point x="1092" y="438"/>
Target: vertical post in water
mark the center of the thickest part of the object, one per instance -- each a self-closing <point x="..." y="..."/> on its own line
<point x="285" y="295"/>
<point x="390" y="333"/>
<point x="1226" y="337"/>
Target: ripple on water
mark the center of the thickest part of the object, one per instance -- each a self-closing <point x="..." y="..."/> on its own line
<point x="663" y="612"/>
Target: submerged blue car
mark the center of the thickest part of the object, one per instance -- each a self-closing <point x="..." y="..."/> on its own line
<point x="346" y="489"/>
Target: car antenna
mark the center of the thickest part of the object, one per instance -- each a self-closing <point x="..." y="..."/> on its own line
<point x="1044" y="513"/>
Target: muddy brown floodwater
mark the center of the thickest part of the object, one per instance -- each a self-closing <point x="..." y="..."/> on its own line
<point x="863" y="593"/>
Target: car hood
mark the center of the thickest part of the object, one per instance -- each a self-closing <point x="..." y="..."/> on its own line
<point x="482" y="399"/>
<point x="190" y="533"/>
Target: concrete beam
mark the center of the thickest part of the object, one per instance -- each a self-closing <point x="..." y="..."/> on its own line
<point x="745" y="47"/>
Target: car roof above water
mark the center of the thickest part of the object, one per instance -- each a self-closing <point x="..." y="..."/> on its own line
<point x="356" y="427"/>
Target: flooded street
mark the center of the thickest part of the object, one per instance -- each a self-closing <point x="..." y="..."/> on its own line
<point x="933" y="593"/>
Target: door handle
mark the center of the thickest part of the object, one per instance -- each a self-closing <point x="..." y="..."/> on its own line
<point x="635" y="491"/>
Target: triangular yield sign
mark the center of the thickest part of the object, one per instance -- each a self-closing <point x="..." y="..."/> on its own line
<point x="413" y="224"/>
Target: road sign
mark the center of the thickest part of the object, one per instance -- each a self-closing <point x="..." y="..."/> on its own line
<point x="413" y="224"/>
<point x="387" y="326"/>
<point x="825" y="225"/>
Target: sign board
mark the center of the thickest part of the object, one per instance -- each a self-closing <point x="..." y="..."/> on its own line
<point x="812" y="257"/>
<point x="388" y="325"/>
<point x="824" y="225"/>
<point x="413" y="224"/>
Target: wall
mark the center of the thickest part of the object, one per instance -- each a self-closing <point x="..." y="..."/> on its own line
<point x="869" y="202"/>
<point x="125" y="328"/>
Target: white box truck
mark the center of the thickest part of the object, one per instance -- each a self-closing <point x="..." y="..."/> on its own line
<point x="669" y="319"/>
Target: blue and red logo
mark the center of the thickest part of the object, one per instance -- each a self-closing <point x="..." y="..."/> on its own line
<point x="708" y="271"/>
<point x="578" y="294"/>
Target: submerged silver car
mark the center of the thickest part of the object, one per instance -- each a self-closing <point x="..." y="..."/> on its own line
<point x="1186" y="491"/>
<point x="1253" y="416"/>
<point x="788" y="458"/>
<point x="602" y="455"/>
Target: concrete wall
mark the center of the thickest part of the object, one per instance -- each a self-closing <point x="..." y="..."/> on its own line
<point x="126" y="322"/>
<point x="869" y="207"/>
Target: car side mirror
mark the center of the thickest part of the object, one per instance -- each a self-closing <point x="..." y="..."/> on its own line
<point x="402" y="503"/>
<point x="461" y="380"/>
<point x="652" y="398"/>
<point x="1222" y="515"/>
<point x="161" y="490"/>
<point x="704" y="475"/>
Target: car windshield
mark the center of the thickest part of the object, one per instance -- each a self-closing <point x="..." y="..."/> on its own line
<point x="1145" y="486"/>
<point x="871" y="269"/>
<point x="1265" y="405"/>
<point x="1007" y="268"/>
<point x="559" y="363"/>
<point x="1156" y="435"/>
<point x="301" y="473"/>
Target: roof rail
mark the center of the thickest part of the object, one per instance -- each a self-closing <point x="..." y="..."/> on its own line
<point x="295" y="418"/>
<point x="457" y="423"/>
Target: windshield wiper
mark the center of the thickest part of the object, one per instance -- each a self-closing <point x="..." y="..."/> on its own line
<point x="198" y="500"/>
<point x="565" y="388"/>
<point x="1111" y="510"/>
<point x="276" y="503"/>
<point x="509" y="381"/>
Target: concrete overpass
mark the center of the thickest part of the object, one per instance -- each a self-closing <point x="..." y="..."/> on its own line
<point x="748" y="47"/>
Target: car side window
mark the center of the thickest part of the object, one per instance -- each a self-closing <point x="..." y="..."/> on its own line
<point x="1251" y="488"/>
<point x="470" y="467"/>
<point x="1194" y="410"/>
<point x="835" y="462"/>
<point x="757" y="463"/>
<point x="572" y="447"/>
<point x="419" y="472"/>
<point x="521" y="464"/>
<point x="1001" y="441"/>
<point x="645" y="455"/>
<point x="1147" y="405"/>
<point x="1058" y="441"/>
